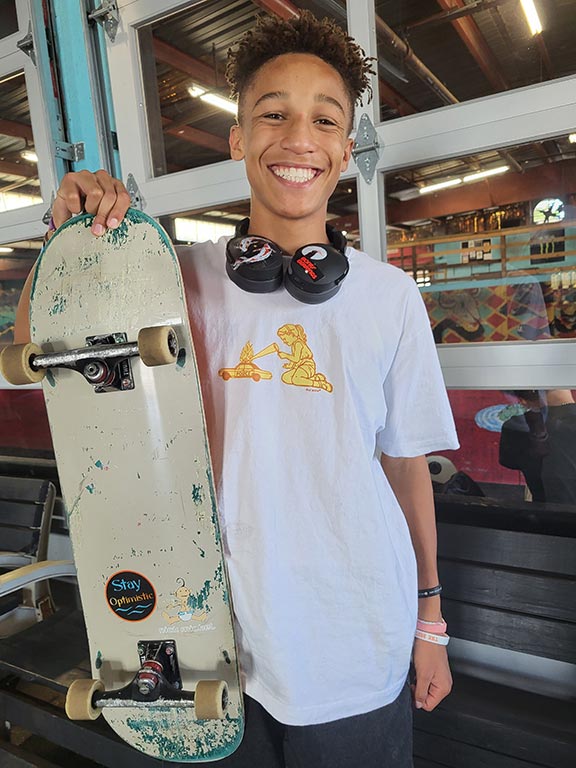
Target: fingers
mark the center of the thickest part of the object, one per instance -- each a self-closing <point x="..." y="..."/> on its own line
<point x="428" y="692"/>
<point x="108" y="200"/>
<point x="97" y="193"/>
<point x="421" y="691"/>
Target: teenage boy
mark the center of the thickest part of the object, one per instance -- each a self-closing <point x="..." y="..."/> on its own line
<point x="331" y="559"/>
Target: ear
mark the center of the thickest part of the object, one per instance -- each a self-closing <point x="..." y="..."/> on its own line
<point x="236" y="141"/>
<point x="347" y="154"/>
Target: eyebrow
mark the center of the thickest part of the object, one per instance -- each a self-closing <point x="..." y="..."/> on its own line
<point x="320" y="98"/>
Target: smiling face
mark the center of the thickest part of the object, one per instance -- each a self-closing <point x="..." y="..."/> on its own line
<point x="293" y="137"/>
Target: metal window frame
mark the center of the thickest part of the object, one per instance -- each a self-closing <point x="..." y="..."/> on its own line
<point x="23" y="223"/>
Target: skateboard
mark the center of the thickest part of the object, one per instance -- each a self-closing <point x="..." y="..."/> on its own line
<point x="111" y="344"/>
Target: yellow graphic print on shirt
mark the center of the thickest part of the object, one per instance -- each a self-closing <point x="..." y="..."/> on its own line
<point x="300" y="364"/>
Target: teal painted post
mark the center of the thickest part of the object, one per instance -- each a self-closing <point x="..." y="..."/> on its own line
<point x="87" y="106"/>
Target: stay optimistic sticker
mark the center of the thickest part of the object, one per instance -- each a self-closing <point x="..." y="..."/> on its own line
<point x="130" y="596"/>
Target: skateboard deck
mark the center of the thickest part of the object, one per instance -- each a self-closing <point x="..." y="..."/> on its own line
<point x="135" y="470"/>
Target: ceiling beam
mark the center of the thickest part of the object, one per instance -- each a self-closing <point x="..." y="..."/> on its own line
<point x="475" y="42"/>
<point x="18" y="169"/>
<point x="550" y="180"/>
<point x="183" y="62"/>
<point x="12" y="128"/>
<point x="196" y="136"/>
<point x="456" y="13"/>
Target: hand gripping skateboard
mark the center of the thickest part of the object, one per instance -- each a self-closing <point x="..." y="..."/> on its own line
<point x="112" y="347"/>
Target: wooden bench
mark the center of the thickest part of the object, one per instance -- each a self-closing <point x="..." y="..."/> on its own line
<point x="509" y="577"/>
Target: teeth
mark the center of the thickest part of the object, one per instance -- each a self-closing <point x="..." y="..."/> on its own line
<point x="295" y="174"/>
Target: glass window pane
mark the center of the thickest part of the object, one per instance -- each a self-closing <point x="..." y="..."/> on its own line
<point x="183" y="59"/>
<point x="433" y="54"/>
<point x="516" y="447"/>
<point x="19" y="183"/>
<point x="8" y="18"/>
<point x="491" y="240"/>
<point x="24" y="430"/>
<point x="211" y="224"/>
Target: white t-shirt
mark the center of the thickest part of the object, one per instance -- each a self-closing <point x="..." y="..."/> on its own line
<point x="321" y="564"/>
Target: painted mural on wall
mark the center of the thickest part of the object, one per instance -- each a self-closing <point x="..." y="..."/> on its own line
<point x="514" y="312"/>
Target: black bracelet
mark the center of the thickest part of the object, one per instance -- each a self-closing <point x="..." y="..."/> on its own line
<point x="429" y="592"/>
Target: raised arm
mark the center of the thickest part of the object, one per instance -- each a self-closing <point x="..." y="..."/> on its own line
<point x="97" y="193"/>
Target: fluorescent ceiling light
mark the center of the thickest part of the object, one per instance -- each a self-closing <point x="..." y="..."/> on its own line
<point x="483" y="174"/>
<point x="439" y="185"/>
<point x="6" y="249"/>
<point x="572" y="138"/>
<point x="532" y="16"/>
<point x="29" y="155"/>
<point x="214" y="99"/>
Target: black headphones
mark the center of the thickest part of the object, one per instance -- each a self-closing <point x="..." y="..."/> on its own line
<point x="314" y="273"/>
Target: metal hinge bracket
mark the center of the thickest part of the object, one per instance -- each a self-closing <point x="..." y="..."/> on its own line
<point x="67" y="151"/>
<point x="366" y="150"/>
<point x="107" y="15"/>
<point x="26" y="45"/>
<point x="136" y="197"/>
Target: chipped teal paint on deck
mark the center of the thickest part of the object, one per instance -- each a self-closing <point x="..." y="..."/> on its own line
<point x="199" y="600"/>
<point x="214" y="503"/>
<point x="116" y="236"/>
<point x="50" y="378"/>
<point x="98" y="662"/>
<point x="207" y="746"/>
<point x="58" y="306"/>
<point x="197" y="495"/>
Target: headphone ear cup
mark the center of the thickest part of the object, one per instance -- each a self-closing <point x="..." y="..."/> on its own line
<point x="315" y="273"/>
<point x="254" y="264"/>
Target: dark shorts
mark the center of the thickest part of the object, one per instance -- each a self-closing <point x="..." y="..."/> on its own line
<point x="378" y="739"/>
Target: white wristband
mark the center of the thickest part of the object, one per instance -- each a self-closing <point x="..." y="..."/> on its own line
<point x="431" y="638"/>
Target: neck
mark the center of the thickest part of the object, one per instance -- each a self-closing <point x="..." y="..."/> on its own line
<point x="289" y="234"/>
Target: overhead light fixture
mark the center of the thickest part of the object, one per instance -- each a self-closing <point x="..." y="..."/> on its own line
<point x="572" y="138"/>
<point x="483" y="174"/>
<point x="29" y="155"/>
<point x="197" y="92"/>
<point x="440" y="185"/>
<point x="6" y="249"/>
<point x="532" y="16"/>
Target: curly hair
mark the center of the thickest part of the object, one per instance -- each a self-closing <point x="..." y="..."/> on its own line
<point x="272" y="37"/>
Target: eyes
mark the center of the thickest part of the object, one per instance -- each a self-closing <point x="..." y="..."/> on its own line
<point x="280" y="117"/>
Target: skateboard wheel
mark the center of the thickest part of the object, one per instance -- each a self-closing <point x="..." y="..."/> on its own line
<point x="79" y="699"/>
<point x="211" y="699"/>
<point x="15" y="364"/>
<point x="158" y="345"/>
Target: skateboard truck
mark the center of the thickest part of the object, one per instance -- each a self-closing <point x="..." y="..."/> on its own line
<point x="157" y="683"/>
<point x="104" y="361"/>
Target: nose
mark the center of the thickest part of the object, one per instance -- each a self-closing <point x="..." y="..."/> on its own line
<point x="299" y="135"/>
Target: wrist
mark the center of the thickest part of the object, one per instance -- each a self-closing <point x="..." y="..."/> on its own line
<point x="430" y="609"/>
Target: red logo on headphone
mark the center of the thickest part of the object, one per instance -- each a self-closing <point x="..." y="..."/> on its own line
<point x="308" y="267"/>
